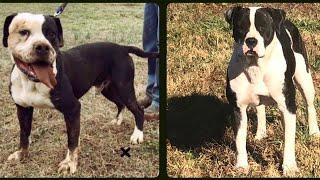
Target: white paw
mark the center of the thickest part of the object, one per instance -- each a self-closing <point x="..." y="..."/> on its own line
<point x="69" y="163"/>
<point x="120" y="118"/>
<point x="65" y="165"/>
<point x="314" y="132"/>
<point x="18" y="155"/>
<point x="137" y="136"/>
<point x="242" y="167"/>
<point x="119" y="123"/>
<point x="117" y="120"/>
<point x="260" y="135"/>
<point x="290" y="169"/>
<point x="114" y="121"/>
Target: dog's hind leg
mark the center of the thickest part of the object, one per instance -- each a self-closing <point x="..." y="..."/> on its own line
<point x="127" y="95"/>
<point x="123" y="80"/>
<point x="304" y="83"/>
<point x="137" y="111"/>
<point x="111" y="94"/>
<point x="119" y="116"/>
<point x="25" y="121"/>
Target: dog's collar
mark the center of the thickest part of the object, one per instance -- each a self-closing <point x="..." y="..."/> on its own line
<point x="31" y="78"/>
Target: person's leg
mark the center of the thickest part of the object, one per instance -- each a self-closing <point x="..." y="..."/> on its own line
<point x="150" y="44"/>
<point x="155" y="90"/>
<point x="155" y="95"/>
<point x="153" y="110"/>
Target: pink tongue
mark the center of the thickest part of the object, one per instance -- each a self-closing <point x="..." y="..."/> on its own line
<point x="45" y="74"/>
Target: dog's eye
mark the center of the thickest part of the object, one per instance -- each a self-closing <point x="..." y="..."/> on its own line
<point x="24" y="32"/>
<point x="261" y="28"/>
<point x="52" y="34"/>
<point x="241" y="31"/>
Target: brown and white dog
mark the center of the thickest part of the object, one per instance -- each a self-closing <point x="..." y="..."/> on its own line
<point x="45" y="77"/>
<point x="268" y="60"/>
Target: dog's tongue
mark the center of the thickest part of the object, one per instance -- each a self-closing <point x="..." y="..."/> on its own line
<point x="45" y="74"/>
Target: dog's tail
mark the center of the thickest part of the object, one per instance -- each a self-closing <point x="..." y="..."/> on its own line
<point x="139" y="52"/>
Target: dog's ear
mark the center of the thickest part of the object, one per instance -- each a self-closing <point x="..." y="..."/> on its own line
<point x="230" y="14"/>
<point x="278" y="16"/>
<point x="6" y="25"/>
<point x="60" y="31"/>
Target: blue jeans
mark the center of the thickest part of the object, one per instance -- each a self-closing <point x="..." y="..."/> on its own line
<point x="151" y="44"/>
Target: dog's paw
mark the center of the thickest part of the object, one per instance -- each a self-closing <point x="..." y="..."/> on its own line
<point x="290" y="169"/>
<point x="69" y="163"/>
<point x="260" y="136"/>
<point x="119" y="122"/>
<point x="18" y="155"/>
<point x="314" y="133"/>
<point x="114" y="121"/>
<point x="137" y="136"/>
<point x="119" y="119"/>
<point x="243" y="168"/>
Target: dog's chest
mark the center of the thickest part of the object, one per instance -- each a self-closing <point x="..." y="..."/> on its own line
<point x="252" y="87"/>
<point x="27" y="93"/>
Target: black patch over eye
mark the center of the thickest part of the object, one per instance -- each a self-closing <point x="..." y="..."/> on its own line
<point x="24" y="32"/>
<point x="260" y="28"/>
<point x="52" y="34"/>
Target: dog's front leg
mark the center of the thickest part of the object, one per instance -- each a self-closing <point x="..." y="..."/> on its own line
<point x="25" y="121"/>
<point x="261" y="127"/>
<point x="289" y="165"/>
<point x="72" y="119"/>
<point x="241" y="137"/>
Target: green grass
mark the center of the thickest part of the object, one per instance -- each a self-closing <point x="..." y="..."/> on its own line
<point x="100" y="141"/>
<point x="199" y="47"/>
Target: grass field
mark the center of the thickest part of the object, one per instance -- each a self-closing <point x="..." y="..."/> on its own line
<point x="100" y="140"/>
<point x="200" y="141"/>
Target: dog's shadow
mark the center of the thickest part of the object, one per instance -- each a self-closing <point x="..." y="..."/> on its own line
<point x="194" y="120"/>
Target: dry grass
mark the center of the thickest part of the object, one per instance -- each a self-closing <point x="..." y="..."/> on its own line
<point x="100" y="141"/>
<point x="200" y="140"/>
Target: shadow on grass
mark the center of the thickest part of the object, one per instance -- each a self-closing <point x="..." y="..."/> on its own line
<point x="194" y="120"/>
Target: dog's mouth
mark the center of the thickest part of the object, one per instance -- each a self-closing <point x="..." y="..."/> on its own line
<point x="253" y="54"/>
<point x="39" y="71"/>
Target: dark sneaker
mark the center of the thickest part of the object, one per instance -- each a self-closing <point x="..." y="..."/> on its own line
<point x="145" y="102"/>
<point x="151" y="113"/>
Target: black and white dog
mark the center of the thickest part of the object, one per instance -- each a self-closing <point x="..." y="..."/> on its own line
<point x="45" y="77"/>
<point x="268" y="60"/>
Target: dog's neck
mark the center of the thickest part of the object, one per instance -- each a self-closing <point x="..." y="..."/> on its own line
<point x="253" y="73"/>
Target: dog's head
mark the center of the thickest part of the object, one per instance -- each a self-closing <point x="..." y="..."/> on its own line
<point x="33" y="41"/>
<point x="254" y="28"/>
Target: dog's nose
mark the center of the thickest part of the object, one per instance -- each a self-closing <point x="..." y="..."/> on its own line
<point x="251" y="42"/>
<point x="42" y="49"/>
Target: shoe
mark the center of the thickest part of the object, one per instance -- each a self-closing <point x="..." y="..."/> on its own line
<point x="151" y="113"/>
<point x="145" y="102"/>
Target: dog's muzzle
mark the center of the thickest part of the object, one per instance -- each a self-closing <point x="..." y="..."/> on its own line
<point x="250" y="47"/>
<point x="39" y="71"/>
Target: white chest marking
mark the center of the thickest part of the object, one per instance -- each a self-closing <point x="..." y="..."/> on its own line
<point x="27" y="93"/>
